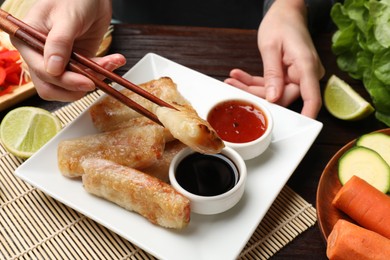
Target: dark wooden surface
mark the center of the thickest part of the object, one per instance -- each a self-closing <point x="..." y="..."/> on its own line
<point x="215" y="52"/>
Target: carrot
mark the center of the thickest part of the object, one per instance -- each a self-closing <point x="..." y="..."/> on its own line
<point x="349" y="241"/>
<point x="366" y="205"/>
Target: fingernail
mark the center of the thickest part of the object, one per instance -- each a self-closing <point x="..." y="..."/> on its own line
<point x="111" y="66"/>
<point x="85" y="87"/>
<point x="271" y="94"/>
<point x="55" y="65"/>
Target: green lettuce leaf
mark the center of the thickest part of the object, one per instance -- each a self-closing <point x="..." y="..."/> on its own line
<point x="362" y="47"/>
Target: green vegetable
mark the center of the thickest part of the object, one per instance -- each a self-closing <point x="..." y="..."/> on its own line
<point x="379" y="142"/>
<point x="366" y="164"/>
<point x="362" y="46"/>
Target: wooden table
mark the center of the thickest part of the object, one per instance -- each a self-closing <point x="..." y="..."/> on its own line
<point x="215" y="52"/>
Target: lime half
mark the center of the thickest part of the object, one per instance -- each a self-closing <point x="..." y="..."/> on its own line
<point x="24" y="130"/>
<point x="343" y="102"/>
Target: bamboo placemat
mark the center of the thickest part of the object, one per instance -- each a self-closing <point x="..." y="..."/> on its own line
<point x="36" y="226"/>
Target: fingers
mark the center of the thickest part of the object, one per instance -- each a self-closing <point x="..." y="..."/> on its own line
<point x="244" y="81"/>
<point x="69" y="25"/>
<point x="308" y="88"/>
<point x="246" y="78"/>
<point x="290" y="94"/>
<point x="53" y="92"/>
<point x="255" y="90"/>
<point x="311" y="95"/>
<point x="110" y="62"/>
<point x="70" y="86"/>
<point x="273" y="73"/>
<point x="236" y="83"/>
<point x="255" y="85"/>
<point x="58" y="48"/>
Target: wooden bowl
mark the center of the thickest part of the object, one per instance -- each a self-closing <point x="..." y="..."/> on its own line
<point x="328" y="187"/>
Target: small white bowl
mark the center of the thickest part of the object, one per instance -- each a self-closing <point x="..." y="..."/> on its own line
<point x="251" y="149"/>
<point x="209" y="204"/>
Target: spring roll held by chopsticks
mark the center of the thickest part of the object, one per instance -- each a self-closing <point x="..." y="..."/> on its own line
<point x="183" y="122"/>
<point x="136" y="191"/>
<point x="110" y="114"/>
<point x="186" y="126"/>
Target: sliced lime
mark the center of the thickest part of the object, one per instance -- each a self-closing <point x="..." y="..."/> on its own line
<point x="25" y="130"/>
<point x="343" y="102"/>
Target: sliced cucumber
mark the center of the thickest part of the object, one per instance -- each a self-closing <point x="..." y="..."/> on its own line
<point x="378" y="142"/>
<point x="367" y="164"/>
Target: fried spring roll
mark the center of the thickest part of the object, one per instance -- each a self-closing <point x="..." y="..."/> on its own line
<point x="160" y="169"/>
<point x="140" y="122"/>
<point x="137" y="147"/>
<point x="186" y="126"/>
<point x="110" y="114"/>
<point x="136" y="191"/>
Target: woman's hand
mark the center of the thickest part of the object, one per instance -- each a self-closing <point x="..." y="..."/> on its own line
<point x="291" y="64"/>
<point x="71" y="24"/>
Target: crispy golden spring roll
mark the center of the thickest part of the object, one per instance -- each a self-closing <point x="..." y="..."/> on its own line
<point x="160" y="169"/>
<point x="109" y="113"/>
<point x="137" y="147"/>
<point x="186" y="126"/>
<point x="136" y="191"/>
<point x="144" y="121"/>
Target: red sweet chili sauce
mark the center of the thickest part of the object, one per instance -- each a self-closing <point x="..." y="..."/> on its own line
<point x="237" y="121"/>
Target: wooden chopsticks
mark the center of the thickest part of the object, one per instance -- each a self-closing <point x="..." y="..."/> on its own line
<point x="82" y="65"/>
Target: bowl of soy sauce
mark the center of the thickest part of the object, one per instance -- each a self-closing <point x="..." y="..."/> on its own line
<point x="213" y="183"/>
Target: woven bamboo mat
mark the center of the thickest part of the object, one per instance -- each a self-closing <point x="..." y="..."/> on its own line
<point x="36" y="226"/>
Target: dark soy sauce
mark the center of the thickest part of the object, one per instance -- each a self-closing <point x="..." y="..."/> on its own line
<point x="207" y="175"/>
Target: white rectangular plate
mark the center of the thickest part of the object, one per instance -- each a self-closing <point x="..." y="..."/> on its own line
<point x="221" y="236"/>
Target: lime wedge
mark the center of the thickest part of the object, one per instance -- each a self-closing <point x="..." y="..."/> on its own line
<point x="24" y="130"/>
<point x="343" y="102"/>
